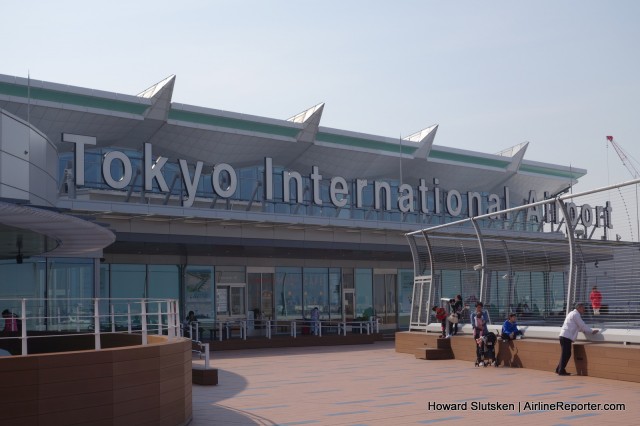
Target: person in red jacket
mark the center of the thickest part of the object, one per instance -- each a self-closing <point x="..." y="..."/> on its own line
<point x="10" y="321"/>
<point x="441" y="315"/>
<point x="596" y="300"/>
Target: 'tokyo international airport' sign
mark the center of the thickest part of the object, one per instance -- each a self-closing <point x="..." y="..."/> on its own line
<point x="224" y="181"/>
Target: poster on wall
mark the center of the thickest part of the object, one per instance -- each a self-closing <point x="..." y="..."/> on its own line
<point x="222" y="306"/>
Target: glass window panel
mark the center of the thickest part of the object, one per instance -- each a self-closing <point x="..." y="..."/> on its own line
<point x="557" y="293"/>
<point x="267" y="296"/>
<point x="260" y="295"/>
<point x="254" y="294"/>
<point x="335" y="301"/>
<point x="364" y="293"/>
<point x="23" y="281"/>
<point x="348" y="280"/>
<point x="230" y="274"/>
<point x="470" y="288"/>
<point x="522" y="295"/>
<point x="405" y="284"/>
<point x="498" y="294"/>
<point x="128" y="281"/>
<point x="69" y="291"/>
<point x="537" y="293"/>
<point x="236" y="300"/>
<point x="288" y="293"/>
<point x="379" y="295"/>
<point x="451" y="284"/>
<point x="104" y="281"/>
<point x="164" y="281"/>
<point x="316" y="286"/>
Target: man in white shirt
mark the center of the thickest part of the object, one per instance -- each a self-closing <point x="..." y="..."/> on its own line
<point x="573" y="324"/>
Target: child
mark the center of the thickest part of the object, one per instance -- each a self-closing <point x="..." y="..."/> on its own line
<point x="510" y="329"/>
<point x="479" y="328"/>
<point x="441" y="315"/>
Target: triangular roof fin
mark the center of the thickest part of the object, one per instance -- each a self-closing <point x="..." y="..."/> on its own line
<point x="516" y="153"/>
<point x="160" y="95"/>
<point x="425" y="138"/>
<point x="311" y="120"/>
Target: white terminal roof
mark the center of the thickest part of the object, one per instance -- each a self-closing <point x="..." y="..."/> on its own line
<point x="180" y="131"/>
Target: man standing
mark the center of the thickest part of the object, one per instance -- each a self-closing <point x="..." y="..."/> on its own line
<point x="596" y="300"/>
<point x="573" y="324"/>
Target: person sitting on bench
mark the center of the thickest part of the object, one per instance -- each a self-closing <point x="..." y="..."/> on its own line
<point x="510" y="328"/>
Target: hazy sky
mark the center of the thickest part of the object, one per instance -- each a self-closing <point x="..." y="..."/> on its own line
<point x="559" y="74"/>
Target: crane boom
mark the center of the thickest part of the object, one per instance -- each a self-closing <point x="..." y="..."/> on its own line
<point x="624" y="158"/>
<point x="634" y="172"/>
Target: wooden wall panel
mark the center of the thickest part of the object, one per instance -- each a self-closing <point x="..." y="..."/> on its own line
<point x="125" y="385"/>
<point x="605" y="360"/>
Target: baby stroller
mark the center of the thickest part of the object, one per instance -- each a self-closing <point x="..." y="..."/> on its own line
<point x="486" y="351"/>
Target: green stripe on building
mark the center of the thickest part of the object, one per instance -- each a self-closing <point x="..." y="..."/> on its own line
<point x="551" y="172"/>
<point x="87" y="101"/>
<point x="232" y="123"/>
<point x="463" y="158"/>
<point x="364" y="143"/>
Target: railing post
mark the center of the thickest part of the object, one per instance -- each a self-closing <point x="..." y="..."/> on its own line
<point x="113" y="318"/>
<point x="206" y="355"/>
<point x="78" y="318"/>
<point x="268" y="329"/>
<point x="159" y="318"/>
<point x="170" y="320"/>
<point x="129" y="317"/>
<point x="23" y="332"/>
<point x="294" y="331"/>
<point x="177" y="317"/>
<point x="319" y="324"/>
<point x="96" y="323"/>
<point x="143" y="320"/>
<point x="244" y="330"/>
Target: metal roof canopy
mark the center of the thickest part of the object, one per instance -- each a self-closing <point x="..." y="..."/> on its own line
<point x="27" y="231"/>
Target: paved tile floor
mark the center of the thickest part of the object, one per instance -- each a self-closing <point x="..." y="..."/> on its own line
<point x="374" y="385"/>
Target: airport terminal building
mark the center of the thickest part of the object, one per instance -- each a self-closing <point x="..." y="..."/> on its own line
<point x="235" y="215"/>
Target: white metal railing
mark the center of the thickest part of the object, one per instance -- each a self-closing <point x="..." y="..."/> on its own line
<point x="223" y="329"/>
<point x="41" y="318"/>
<point x="216" y="328"/>
<point x="538" y="260"/>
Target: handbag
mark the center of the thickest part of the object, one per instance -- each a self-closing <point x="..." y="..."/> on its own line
<point x="453" y="318"/>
